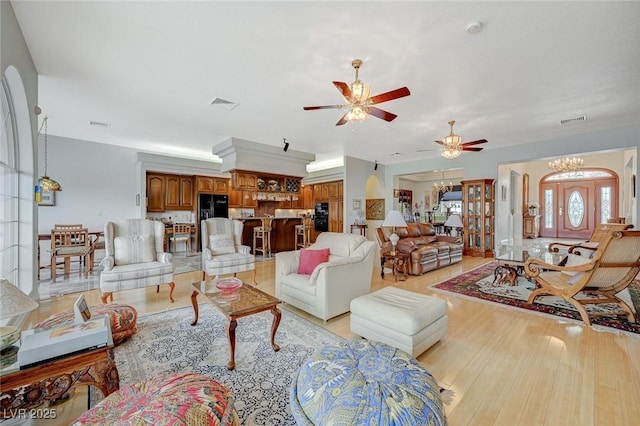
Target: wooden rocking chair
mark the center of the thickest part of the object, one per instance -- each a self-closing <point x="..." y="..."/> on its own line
<point x="613" y="266"/>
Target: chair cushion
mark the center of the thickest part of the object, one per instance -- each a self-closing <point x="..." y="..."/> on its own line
<point x="122" y="318"/>
<point x="221" y="244"/>
<point x="365" y="383"/>
<point x="167" y="399"/>
<point x="133" y="249"/>
<point x="136" y="271"/>
<point x="309" y="259"/>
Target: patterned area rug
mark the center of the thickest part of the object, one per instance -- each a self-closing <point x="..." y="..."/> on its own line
<point x="478" y="284"/>
<point x="166" y="342"/>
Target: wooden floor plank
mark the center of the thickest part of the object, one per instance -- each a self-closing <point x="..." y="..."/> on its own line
<point x="506" y="367"/>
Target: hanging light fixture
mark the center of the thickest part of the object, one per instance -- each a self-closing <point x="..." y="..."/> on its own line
<point x="45" y="182"/>
<point x="452" y="144"/>
<point x="441" y="187"/>
<point x="359" y="98"/>
<point x="566" y="164"/>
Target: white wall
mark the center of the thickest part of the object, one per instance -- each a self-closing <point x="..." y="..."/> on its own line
<point x="99" y="183"/>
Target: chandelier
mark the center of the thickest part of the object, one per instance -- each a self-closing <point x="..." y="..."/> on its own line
<point x="452" y="144"/>
<point x="441" y="187"/>
<point x="566" y="164"/>
<point x="45" y="182"/>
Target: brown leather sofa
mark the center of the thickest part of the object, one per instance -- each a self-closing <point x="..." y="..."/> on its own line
<point x="427" y="250"/>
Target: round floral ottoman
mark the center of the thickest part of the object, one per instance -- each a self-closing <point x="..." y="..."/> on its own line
<point x="168" y="399"/>
<point x="362" y="383"/>
<point x="122" y="318"/>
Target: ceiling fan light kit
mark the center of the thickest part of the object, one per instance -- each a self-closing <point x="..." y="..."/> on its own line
<point x="452" y="145"/>
<point x="359" y="102"/>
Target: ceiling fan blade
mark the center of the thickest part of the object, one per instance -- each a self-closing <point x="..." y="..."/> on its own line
<point x="466" y="148"/>
<point x="343" y="88"/>
<point x="440" y="142"/>
<point x="426" y="150"/>
<point x="342" y="121"/>
<point x="388" y="96"/>
<point x="377" y="112"/>
<point x="310" y="108"/>
<point x="479" y="141"/>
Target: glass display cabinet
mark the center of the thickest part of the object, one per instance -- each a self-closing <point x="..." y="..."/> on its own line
<point x="478" y="197"/>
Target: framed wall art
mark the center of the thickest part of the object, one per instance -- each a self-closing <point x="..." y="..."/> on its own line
<point x="47" y="198"/>
<point x="375" y="209"/>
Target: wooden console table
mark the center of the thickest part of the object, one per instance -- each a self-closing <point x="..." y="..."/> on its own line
<point x="362" y="229"/>
<point x="24" y="389"/>
<point x="400" y="262"/>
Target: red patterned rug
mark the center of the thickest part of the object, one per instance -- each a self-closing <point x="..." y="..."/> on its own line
<point x="479" y="284"/>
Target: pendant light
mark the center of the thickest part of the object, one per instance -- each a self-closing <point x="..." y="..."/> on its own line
<point x="45" y="182"/>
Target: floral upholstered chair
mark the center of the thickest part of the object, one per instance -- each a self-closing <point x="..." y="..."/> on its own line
<point x="222" y="249"/>
<point x="134" y="257"/>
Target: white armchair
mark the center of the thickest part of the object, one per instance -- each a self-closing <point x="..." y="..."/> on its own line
<point x="134" y="257"/>
<point x="328" y="291"/>
<point x="222" y="249"/>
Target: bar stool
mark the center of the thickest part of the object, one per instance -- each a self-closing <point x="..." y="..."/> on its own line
<point x="303" y="233"/>
<point x="263" y="233"/>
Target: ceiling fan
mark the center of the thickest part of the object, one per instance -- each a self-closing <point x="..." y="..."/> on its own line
<point x="358" y="102"/>
<point x="452" y="145"/>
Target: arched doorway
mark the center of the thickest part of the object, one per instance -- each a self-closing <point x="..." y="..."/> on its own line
<point x="573" y="203"/>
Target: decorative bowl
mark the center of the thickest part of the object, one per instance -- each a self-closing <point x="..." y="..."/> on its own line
<point x="228" y="285"/>
<point x="8" y="336"/>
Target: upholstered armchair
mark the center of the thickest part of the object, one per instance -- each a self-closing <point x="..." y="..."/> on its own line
<point x="134" y="257"/>
<point x="328" y="290"/>
<point x="222" y="249"/>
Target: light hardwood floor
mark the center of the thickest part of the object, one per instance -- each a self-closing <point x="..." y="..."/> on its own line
<point x="505" y="366"/>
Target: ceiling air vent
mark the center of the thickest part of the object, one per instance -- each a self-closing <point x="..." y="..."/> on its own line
<point x="574" y="119"/>
<point x="99" y="124"/>
<point x="225" y="103"/>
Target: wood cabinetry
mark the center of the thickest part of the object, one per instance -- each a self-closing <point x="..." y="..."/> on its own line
<point x="530" y="226"/>
<point x="478" y="202"/>
<point x="328" y="191"/>
<point x="307" y="197"/>
<point x="240" y="199"/>
<point x="212" y="185"/>
<point x="244" y="180"/>
<point x="336" y="221"/>
<point x="169" y="192"/>
<point x="156" y="188"/>
<point x="179" y="193"/>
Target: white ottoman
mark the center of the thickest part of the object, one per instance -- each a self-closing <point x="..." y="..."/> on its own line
<point x="403" y="319"/>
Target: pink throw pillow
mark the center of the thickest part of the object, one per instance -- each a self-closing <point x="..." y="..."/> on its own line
<point x="309" y="259"/>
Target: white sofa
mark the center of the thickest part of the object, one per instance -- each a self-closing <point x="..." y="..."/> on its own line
<point x="328" y="291"/>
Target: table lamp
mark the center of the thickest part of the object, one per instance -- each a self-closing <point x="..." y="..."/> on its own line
<point x="13" y="302"/>
<point x="455" y="223"/>
<point x="394" y="219"/>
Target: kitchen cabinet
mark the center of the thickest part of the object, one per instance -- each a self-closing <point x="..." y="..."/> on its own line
<point x="239" y="199"/>
<point x="336" y="222"/>
<point x="327" y="191"/>
<point x="307" y="197"/>
<point x="212" y="185"/>
<point x="244" y="180"/>
<point x="169" y="192"/>
<point x="478" y="199"/>
<point x="179" y="192"/>
<point x="156" y="185"/>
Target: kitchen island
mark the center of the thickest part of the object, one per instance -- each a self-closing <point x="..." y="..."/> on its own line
<point x="283" y="236"/>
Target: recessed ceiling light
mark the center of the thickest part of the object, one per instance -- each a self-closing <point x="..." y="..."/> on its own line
<point x="474" y="27"/>
<point x="99" y="124"/>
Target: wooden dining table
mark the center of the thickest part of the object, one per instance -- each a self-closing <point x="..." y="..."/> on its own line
<point x="47" y="237"/>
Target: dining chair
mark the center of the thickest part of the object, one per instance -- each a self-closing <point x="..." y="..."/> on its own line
<point x="181" y="234"/>
<point x="66" y="242"/>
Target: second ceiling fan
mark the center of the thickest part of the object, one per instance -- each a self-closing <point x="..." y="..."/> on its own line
<point x="359" y="103"/>
<point x="452" y="145"/>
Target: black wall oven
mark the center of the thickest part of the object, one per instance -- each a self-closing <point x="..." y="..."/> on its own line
<point x="321" y="222"/>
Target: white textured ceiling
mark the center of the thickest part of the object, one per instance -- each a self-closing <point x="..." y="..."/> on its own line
<point x="151" y="69"/>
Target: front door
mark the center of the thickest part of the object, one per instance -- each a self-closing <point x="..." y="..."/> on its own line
<point x="573" y="205"/>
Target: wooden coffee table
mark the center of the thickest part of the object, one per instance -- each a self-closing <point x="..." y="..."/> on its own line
<point x="250" y="301"/>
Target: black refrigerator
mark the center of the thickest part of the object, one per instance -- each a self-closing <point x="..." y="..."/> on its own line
<point x="211" y="206"/>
